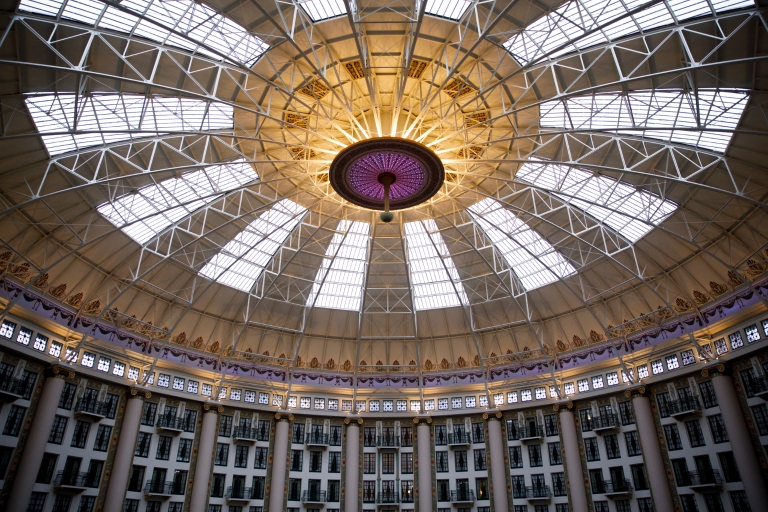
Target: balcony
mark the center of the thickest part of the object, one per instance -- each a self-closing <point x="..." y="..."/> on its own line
<point x="531" y="434"/>
<point x="757" y="387"/>
<point x="317" y="440"/>
<point x="170" y="424"/>
<point x="538" y="494"/>
<point x="157" y="489"/>
<point x="13" y="389"/>
<point x="387" y="498"/>
<point x="387" y="442"/>
<point x="704" y="481"/>
<point x="614" y="488"/>
<point x="74" y="483"/>
<point x="245" y="435"/>
<point x="463" y="497"/>
<point x="605" y="423"/>
<point x="685" y="408"/>
<point x="313" y="498"/>
<point x="458" y="439"/>
<point x="92" y="409"/>
<point x="238" y="494"/>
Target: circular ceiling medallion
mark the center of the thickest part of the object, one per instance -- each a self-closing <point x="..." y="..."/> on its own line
<point x="360" y="172"/>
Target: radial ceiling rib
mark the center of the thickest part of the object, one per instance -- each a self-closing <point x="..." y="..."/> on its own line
<point x="711" y="115"/>
<point x="435" y="282"/>
<point x="101" y="119"/>
<point x="158" y="206"/>
<point x="217" y="36"/>
<point x="339" y="281"/>
<point x="510" y="235"/>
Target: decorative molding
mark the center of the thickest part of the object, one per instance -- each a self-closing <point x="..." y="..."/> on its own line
<point x="418" y="419"/>
<point x="494" y="415"/>
<point x="213" y="407"/>
<point x="568" y="405"/>
<point x="718" y="368"/>
<point x="283" y="416"/>
<point x="62" y="372"/>
<point x="636" y="391"/>
<point x="349" y="420"/>
<point x="140" y="392"/>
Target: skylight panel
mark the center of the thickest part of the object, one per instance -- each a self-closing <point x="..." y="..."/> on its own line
<point x="142" y="215"/>
<point x="319" y="10"/>
<point x="198" y="22"/>
<point x="532" y="258"/>
<point x="434" y="278"/>
<point x="451" y="9"/>
<point x="242" y="261"/>
<point x="654" y="112"/>
<point x="111" y="116"/>
<point x="574" y="19"/>
<point x="627" y="210"/>
<point x="339" y="282"/>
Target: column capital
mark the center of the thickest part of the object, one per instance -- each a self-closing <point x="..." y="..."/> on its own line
<point x="568" y="405"/>
<point x="634" y="392"/>
<point x="284" y="416"/>
<point x="214" y="407"/>
<point x="492" y="415"/>
<point x="140" y="393"/>
<point x="714" y="370"/>
<point x="61" y="371"/>
<point x="350" y="419"/>
<point x="422" y="420"/>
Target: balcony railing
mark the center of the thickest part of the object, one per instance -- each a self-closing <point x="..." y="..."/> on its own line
<point x="463" y="496"/>
<point x="313" y="497"/>
<point x="317" y="439"/>
<point x="12" y="389"/>
<point x="757" y="386"/>
<point x="531" y="432"/>
<point x="388" y="442"/>
<point x="538" y="492"/>
<point x="387" y="497"/>
<point x="605" y="422"/>
<point x="164" y="488"/>
<point x="239" y="493"/>
<point x="93" y="408"/>
<point x="684" y="407"/>
<point x="458" y="438"/>
<point x="244" y="433"/>
<point x="78" y="480"/>
<point x="167" y="422"/>
<point x="703" y="479"/>
<point x="613" y="487"/>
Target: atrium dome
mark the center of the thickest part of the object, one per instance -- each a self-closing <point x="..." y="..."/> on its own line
<point x="165" y="177"/>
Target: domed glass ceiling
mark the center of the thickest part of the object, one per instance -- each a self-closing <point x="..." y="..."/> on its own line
<point x="168" y="161"/>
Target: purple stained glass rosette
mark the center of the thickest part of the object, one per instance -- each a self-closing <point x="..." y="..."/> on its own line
<point x="409" y="175"/>
<point x="418" y="173"/>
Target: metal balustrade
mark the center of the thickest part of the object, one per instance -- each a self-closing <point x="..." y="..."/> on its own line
<point x="93" y="408"/>
<point x="458" y="438"/>
<point x="313" y="496"/>
<point x="463" y="496"/>
<point x="82" y="480"/>
<point x="244" y="433"/>
<point x="387" y="497"/>
<point x="388" y="442"/>
<point x="167" y="422"/>
<point x="703" y="479"/>
<point x="531" y="432"/>
<point x="160" y="487"/>
<point x="538" y="492"/>
<point x="684" y="407"/>
<point x="12" y="389"/>
<point x="613" y="487"/>
<point x="239" y="493"/>
<point x="605" y="422"/>
<point x="317" y="439"/>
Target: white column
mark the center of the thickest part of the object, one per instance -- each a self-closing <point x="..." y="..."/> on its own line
<point x="578" y="491"/>
<point x="279" y="455"/>
<point x="498" y="466"/>
<point x="208" y="435"/>
<point x="352" y="461"/>
<point x="34" y="448"/>
<point x="425" y="466"/>
<point x="654" y="461"/>
<point x="741" y="442"/>
<point x="126" y="445"/>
